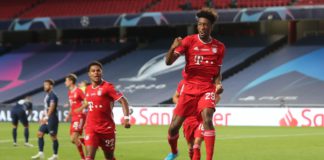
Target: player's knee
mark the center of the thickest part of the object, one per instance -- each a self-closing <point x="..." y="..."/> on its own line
<point x="53" y="137"/>
<point x="109" y="155"/>
<point x="173" y="130"/>
<point x="208" y="123"/>
<point x="40" y="134"/>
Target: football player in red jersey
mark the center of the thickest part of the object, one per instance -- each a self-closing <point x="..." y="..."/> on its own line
<point x="204" y="57"/>
<point x="100" y="125"/>
<point x="76" y="99"/>
<point x="192" y="126"/>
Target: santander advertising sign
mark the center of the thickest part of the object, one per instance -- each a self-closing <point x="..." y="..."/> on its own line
<point x="233" y="116"/>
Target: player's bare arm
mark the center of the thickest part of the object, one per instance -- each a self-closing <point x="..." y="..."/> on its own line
<point x="218" y="83"/>
<point x="175" y="97"/>
<point x="123" y="101"/>
<point x="170" y="56"/>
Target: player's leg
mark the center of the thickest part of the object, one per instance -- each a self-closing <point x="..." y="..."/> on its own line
<point x="43" y="129"/>
<point x="188" y="131"/>
<point x="196" y="148"/>
<point x="185" y="107"/>
<point x="92" y="144"/>
<point x="209" y="133"/>
<point x="23" y="119"/>
<point x="107" y="143"/>
<point x="190" y="148"/>
<point x="199" y="137"/>
<point x="14" y="121"/>
<point x="173" y="135"/>
<point x="75" y="140"/>
<point x="109" y="155"/>
<point x="91" y="152"/>
<point x="53" y="128"/>
<point x="206" y="107"/>
<point x="55" y="147"/>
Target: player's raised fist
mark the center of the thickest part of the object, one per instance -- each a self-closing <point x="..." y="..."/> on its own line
<point x="177" y="42"/>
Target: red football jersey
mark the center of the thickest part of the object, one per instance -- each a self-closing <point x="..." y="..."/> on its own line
<point x="180" y="84"/>
<point x="101" y="100"/>
<point x="203" y="60"/>
<point x="76" y="97"/>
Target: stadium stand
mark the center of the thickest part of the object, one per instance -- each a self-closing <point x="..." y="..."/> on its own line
<point x="10" y="9"/>
<point x="144" y="78"/>
<point x="27" y="67"/>
<point x="59" y="8"/>
<point x="309" y="2"/>
<point x="287" y="73"/>
<point x="178" y="5"/>
<point x="62" y="8"/>
<point x="263" y="3"/>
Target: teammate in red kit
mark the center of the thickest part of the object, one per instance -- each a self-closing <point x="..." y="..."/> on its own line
<point x="204" y="56"/>
<point x="192" y="127"/>
<point x="100" y="125"/>
<point x="76" y="99"/>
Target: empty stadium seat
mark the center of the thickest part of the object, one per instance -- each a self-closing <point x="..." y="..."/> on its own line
<point x="59" y="8"/>
<point x="10" y="9"/>
<point x="264" y="3"/>
<point x="309" y="2"/>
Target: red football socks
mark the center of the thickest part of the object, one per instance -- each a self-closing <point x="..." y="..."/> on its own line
<point x="80" y="149"/>
<point x="196" y="152"/>
<point x="209" y="137"/>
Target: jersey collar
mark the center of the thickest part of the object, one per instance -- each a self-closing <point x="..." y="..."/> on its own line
<point x="211" y="39"/>
<point x="102" y="81"/>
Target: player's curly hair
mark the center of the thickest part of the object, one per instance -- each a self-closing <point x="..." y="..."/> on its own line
<point x="72" y="77"/>
<point x="208" y="13"/>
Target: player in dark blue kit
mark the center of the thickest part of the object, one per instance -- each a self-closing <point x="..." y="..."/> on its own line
<point x="18" y="113"/>
<point x="49" y="122"/>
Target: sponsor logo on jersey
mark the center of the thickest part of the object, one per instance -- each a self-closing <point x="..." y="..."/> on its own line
<point x="214" y="50"/>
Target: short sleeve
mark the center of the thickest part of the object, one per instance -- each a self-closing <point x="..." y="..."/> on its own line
<point x="81" y="94"/>
<point x="113" y="93"/>
<point x="53" y="99"/>
<point x="183" y="48"/>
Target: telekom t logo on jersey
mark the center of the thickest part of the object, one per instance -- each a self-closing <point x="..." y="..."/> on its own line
<point x="288" y="120"/>
<point x="198" y="59"/>
<point x="92" y="106"/>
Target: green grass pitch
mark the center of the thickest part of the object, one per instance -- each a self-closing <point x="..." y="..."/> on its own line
<point x="149" y="143"/>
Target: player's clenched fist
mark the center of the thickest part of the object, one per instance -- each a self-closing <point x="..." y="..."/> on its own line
<point x="127" y="123"/>
<point x="219" y="89"/>
<point x="177" y="42"/>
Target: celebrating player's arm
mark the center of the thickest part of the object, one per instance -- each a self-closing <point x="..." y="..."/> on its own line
<point x="171" y="56"/>
<point x="123" y="101"/>
<point x="175" y="97"/>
